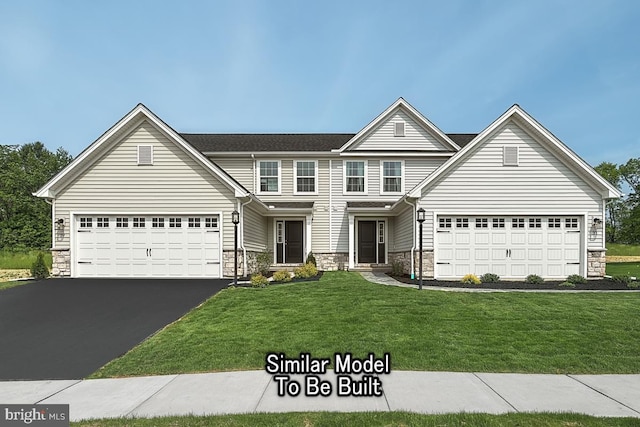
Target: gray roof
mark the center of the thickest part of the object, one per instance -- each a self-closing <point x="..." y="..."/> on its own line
<point x="254" y="142"/>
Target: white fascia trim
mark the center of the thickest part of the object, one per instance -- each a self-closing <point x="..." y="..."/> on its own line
<point x="397" y="154"/>
<point x="420" y="119"/>
<point x="140" y="112"/>
<point x="295" y="178"/>
<point x="315" y="154"/>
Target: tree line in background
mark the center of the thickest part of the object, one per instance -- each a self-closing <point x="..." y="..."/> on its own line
<point x="623" y="215"/>
<point x="25" y="221"/>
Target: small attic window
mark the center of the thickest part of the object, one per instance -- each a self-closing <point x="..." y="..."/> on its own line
<point x="510" y="156"/>
<point x="398" y="129"/>
<point x="145" y="154"/>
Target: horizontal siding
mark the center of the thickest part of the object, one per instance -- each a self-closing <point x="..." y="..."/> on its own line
<point x="174" y="183"/>
<point x="255" y="230"/>
<point x="403" y="235"/>
<point x="416" y="170"/>
<point x="541" y="184"/>
<point x="416" y="138"/>
<point x="240" y="169"/>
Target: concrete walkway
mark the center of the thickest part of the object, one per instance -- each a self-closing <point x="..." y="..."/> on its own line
<point x="256" y="391"/>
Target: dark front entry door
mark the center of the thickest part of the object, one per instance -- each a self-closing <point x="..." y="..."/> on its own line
<point x="367" y="242"/>
<point x="293" y="241"/>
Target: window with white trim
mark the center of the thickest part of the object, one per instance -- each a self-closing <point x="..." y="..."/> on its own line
<point x="571" y="223"/>
<point x="211" y="222"/>
<point x="102" y="222"/>
<point x="138" y="222"/>
<point x="555" y="223"/>
<point x="175" y="222"/>
<point x="535" y="222"/>
<point x="444" y="222"/>
<point x="86" y="222"/>
<point x="194" y="222"/>
<point x="157" y="222"/>
<point x="306" y="172"/>
<point x="482" y="223"/>
<point x="269" y="176"/>
<point x="462" y="222"/>
<point x="517" y="222"/>
<point x="391" y="177"/>
<point x="354" y="176"/>
<point x="497" y="223"/>
<point x="122" y="222"/>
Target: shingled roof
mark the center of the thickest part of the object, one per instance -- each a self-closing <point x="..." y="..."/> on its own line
<point x="254" y="142"/>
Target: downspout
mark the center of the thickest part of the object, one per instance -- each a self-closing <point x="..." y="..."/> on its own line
<point x="244" y="250"/>
<point x="253" y="156"/>
<point x="413" y="248"/>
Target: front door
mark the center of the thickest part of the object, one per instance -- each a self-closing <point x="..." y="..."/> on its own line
<point x="367" y="242"/>
<point x="289" y="242"/>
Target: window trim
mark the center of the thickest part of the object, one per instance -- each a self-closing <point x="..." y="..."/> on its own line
<point x="505" y="159"/>
<point x="382" y="177"/>
<point x="258" y="177"/>
<point x="315" y="177"/>
<point x="146" y="146"/>
<point x="344" y="178"/>
<point x="397" y="132"/>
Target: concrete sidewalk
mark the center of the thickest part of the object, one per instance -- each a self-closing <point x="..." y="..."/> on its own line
<point x="256" y="391"/>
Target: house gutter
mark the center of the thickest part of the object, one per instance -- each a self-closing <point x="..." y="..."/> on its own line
<point x="413" y="248"/>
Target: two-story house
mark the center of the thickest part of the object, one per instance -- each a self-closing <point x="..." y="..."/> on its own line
<point x="146" y="201"/>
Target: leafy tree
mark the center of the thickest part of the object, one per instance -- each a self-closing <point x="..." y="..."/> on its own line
<point x="616" y="209"/>
<point x="630" y="229"/>
<point x="25" y="221"/>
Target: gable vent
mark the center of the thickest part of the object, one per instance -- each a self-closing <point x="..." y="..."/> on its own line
<point x="145" y="154"/>
<point x="398" y="129"/>
<point x="510" y="156"/>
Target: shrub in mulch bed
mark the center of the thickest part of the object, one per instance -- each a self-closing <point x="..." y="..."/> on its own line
<point x="271" y="283"/>
<point x="598" y="284"/>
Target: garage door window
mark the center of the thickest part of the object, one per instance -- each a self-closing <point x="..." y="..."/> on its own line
<point x="122" y="222"/>
<point x="102" y="222"/>
<point x="462" y="222"/>
<point x="535" y="222"/>
<point x="571" y="223"/>
<point x="444" y="222"/>
<point x="211" y="222"/>
<point x="138" y="222"/>
<point x="554" y="222"/>
<point x="517" y="222"/>
<point x="497" y="223"/>
<point x="157" y="222"/>
<point x="482" y="223"/>
<point x="194" y="222"/>
<point x="175" y="222"/>
<point x="85" y="222"/>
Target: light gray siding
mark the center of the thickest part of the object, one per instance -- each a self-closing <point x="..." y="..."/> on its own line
<point x="403" y="235"/>
<point x="417" y="169"/>
<point x="540" y="185"/>
<point x="241" y="169"/>
<point x="255" y="230"/>
<point x="416" y="137"/>
<point x="175" y="183"/>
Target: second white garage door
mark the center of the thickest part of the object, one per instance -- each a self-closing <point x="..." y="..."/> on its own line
<point x="147" y="246"/>
<point x="512" y="247"/>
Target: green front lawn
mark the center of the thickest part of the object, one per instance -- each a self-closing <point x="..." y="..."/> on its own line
<point x="624" y="268"/>
<point x="12" y="284"/>
<point x="429" y="330"/>
<point x="368" y="419"/>
<point x="10" y="260"/>
<point x="616" y="249"/>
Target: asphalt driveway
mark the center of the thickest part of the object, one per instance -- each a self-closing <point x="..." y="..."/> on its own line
<point x="68" y="328"/>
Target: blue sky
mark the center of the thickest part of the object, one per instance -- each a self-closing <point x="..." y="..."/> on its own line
<point x="70" y="69"/>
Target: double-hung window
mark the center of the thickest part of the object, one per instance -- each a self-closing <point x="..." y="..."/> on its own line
<point x="354" y="176"/>
<point x="306" y="173"/>
<point x="269" y="176"/>
<point x="392" y="177"/>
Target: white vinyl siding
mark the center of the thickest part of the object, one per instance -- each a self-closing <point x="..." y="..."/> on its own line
<point x="175" y="183"/>
<point x="255" y="230"/>
<point x="240" y="169"/>
<point x="415" y="136"/>
<point x="403" y="235"/>
<point x="541" y="184"/>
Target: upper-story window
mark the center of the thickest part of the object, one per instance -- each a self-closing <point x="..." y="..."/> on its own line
<point x="354" y="176"/>
<point x="305" y="176"/>
<point x="269" y="176"/>
<point x="392" y="177"/>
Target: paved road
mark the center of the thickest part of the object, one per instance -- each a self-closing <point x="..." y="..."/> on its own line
<point x="68" y="328"/>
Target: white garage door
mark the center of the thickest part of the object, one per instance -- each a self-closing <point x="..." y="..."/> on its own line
<point x="511" y="247"/>
<point x="147" y="246"/>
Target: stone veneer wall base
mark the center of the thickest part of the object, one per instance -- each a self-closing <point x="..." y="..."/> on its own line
<point x="61" y="266"/>
<point x="596" y="263"/>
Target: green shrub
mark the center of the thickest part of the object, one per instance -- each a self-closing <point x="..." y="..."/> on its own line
<point x="633" y="285"/>
<point x="397" y="268"/>
<point x="489" y="278"/>
<point x="263" y="262"/>
<point x="259" y="281"/>
<point x="576" y="279"/>
<point x="534" y="279"/>
<point x="306" y="271"/>
<point x="470" y="279"/>
<point x="311" y="259"/>
<point x="567" y="285"/>
<point x="39" y="269"/>
<point x="622" y="278"/>
<point x="282" y="276"/>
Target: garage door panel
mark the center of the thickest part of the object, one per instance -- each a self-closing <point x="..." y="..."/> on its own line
<point x="148" y="250"/>
<point x="512" y="247"/>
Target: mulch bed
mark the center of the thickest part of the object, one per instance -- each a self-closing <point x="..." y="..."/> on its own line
<point x="599" y="284"/>
<point x="293" y="280"/>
